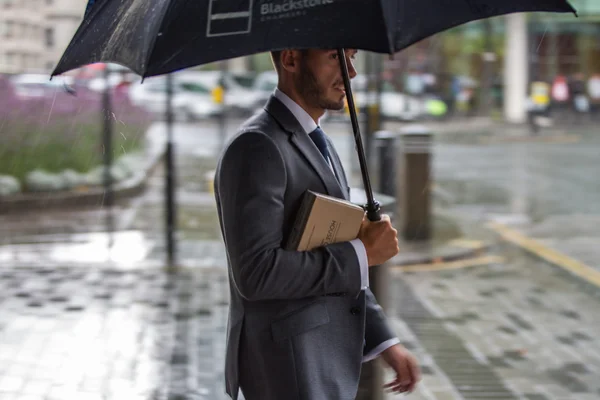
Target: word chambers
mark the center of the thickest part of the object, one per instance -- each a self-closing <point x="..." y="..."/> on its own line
<point x="291" y="5"/>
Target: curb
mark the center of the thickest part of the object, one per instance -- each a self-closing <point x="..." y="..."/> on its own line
<point x="468" y="244"/>
<point x="457" y="249"/>
<point x="553" y="257"/>
<point x="469" y="262"/>
<point x="94" y="197"/>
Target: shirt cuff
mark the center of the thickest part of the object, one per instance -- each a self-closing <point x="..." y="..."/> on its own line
<point x="379" y="349"/>
<point x="363" y="261"/>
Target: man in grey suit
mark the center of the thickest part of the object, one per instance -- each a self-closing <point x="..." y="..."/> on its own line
<point x="300" y="323"/>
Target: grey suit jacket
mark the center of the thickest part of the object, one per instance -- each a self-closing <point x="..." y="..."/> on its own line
<point x="299" y="322"/>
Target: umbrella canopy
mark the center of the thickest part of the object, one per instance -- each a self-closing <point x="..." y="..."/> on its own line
<point x="153" y="37"/>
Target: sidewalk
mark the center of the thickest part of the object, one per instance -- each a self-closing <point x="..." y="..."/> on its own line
<point x="509" y="328"/>
<point x="513" y="329"/>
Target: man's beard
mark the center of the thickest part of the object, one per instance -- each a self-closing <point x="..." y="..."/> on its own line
<point x="312" y="93"/>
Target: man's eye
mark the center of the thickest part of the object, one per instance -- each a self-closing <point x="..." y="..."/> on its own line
<point x="333" y="56"/>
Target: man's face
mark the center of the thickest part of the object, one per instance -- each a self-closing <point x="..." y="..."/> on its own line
<point x="319" y="78"/>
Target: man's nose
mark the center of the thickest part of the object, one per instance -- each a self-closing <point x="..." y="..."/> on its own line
<point x="351" y="69"/>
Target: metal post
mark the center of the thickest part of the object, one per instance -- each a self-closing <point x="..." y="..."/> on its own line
<point x="223" y="113"/>
<point x="107" y="124"/>
<point x="552" y="55"/>
<point x="365" y="113"/>
<point x="368" y="115"/>
<point x="372" y="376"/>
<point x="171" y="219"/>
<point x="532" y="49"/>
<point x="414" y="207"/>
<point x="375" y="110"/>
<point x="489" y="58"/>
<point x="373" y="106"/>
<point x="379" y="274"/>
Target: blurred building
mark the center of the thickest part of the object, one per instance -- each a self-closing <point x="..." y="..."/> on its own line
<point x="34" y="33"/>
<point x="563" y="45"/>
<point x="559" y="44"/>
<point x="62" y="19"/>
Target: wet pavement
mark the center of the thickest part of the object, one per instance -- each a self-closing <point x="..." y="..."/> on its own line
<point x="73" y="333"/>
<point x="546" y="190"/>
<point x="81" y="321"/>
<point x="527" y="329"/>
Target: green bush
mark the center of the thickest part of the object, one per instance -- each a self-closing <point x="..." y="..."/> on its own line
<point x="60" y="131"/>
<point x="53" y="151"/>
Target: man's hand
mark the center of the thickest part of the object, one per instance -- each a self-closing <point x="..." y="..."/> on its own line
<point x="406" y="367"/>
<point x="380" y="240"/>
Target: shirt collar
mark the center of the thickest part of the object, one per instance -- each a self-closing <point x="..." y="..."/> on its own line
<point x="305" y="120"/>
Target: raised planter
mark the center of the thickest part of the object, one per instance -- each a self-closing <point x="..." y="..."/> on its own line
<point x="93" y="196"/>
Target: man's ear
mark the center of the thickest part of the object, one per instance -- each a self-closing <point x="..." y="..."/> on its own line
<point x="290" y="60"/>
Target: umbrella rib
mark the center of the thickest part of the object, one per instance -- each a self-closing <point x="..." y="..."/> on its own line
<point x="93" y="10"/>
<point x="390" y="41"/>
<point x="155" y="38"/>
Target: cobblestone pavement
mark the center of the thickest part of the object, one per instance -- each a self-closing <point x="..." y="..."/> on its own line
<point x="520" y="329"/>
<point x="101" y="333"/>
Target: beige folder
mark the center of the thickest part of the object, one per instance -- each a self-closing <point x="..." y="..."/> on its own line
<point x="324" y="220"/>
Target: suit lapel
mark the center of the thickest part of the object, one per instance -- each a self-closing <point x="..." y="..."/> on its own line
<point x="339" y="171"/>
<point x="305" y="145"/>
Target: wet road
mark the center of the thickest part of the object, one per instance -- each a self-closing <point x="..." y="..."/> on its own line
<point x="547" y="189"/>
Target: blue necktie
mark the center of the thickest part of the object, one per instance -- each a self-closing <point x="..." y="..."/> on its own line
<point x="318" y="137"/>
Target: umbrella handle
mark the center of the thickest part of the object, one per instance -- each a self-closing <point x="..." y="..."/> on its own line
<point x="372" y="207"/>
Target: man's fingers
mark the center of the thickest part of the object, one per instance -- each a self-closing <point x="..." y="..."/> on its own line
<point x="391" y="384"/>
<point x="397" y="389"/>
<point x="408" y="373"/>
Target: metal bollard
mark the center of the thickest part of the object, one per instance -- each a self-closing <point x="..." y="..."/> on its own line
<point x="386" y="145"/>
<point x="373" y="374"/>
<point x="414" y="182"/>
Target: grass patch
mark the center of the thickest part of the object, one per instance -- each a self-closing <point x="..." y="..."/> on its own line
<point x="53" y="152"/>
<point x="59" y="131"/>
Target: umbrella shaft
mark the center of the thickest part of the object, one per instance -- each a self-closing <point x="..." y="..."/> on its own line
<point x="372" y="205"/>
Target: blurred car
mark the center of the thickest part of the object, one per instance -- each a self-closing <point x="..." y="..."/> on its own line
<point x="237" y="95"/>
<point x="244" y="79"/>
<point x="192" y="100"/>
<point x="264" y="85"/>
<point x="38" y="85"/>
<point x="394" y="104"/>
<point x="117" y="73"/>
<point x="98" y="84"/>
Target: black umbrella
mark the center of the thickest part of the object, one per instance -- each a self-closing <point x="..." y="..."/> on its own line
<point x="153" y="37"/>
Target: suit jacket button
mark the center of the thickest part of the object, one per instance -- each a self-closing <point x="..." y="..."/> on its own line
<point x="355" y="310"/>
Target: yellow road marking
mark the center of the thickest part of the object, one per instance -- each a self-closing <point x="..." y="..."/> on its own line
<point x="534" y="139"/>
<point x="467" y="243"/>
<point x="450" y="265"/>
<point x="578" y="268"/>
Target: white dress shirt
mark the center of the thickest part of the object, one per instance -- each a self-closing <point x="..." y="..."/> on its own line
<point x="309" y="125"/>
